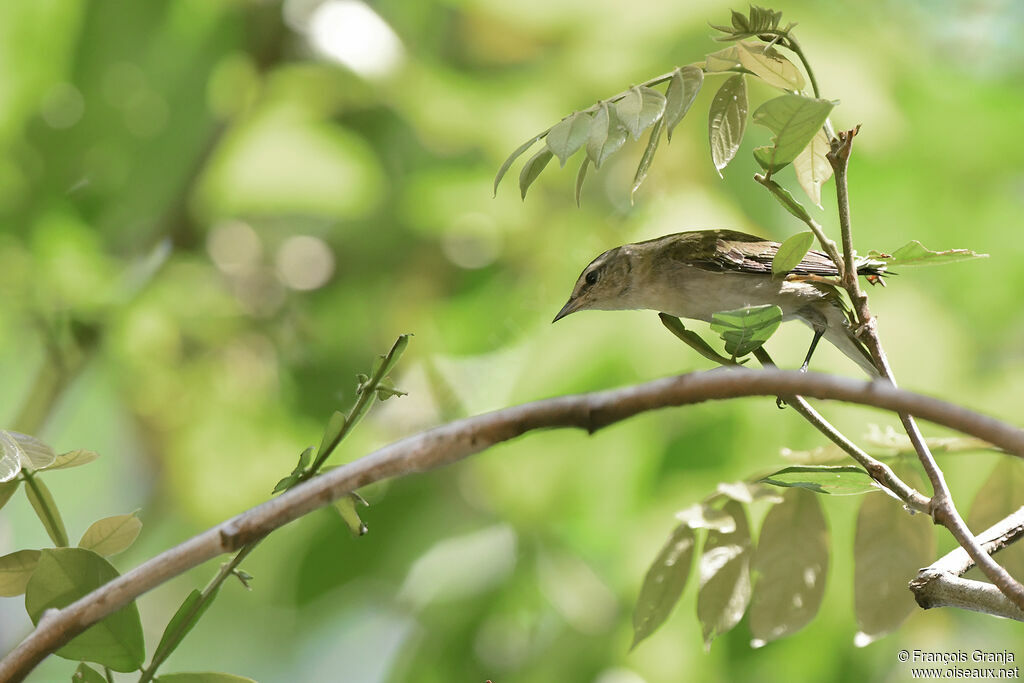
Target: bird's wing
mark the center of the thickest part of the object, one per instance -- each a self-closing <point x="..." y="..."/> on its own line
<point x="729" y="250"/>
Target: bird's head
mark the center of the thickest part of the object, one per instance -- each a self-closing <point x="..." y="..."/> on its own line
<point x="605" y="284"/>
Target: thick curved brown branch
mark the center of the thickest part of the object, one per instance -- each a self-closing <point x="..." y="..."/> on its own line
<point x="457" y="440"/>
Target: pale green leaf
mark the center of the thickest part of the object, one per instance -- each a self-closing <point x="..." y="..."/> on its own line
<point x="346" y="507"/>
<point x="75" y="458"/>
<point x="703" y="516"/>
<point x="332" y="433"/>
<point x="15" y="570"/>
<point x="1000" y="495"/>
<point x="647" y="158"/>
<point x="10" y="457"/>
<point x="812" y="167"/>
<point x="795" y="120"/>
<point x="7" y="489"/>
<point x="46" y="509"/>
<point x="607" y="135"/>
<point x="532" y="168"/>
<point x="727" y="121"/>
<point x="568" y="135"/>
<point x="791" y="252"/>
<point x="787" y="200"/>
<point x="64" y="575"/>
<point x="580" y="177"/>
<point x="513" y="156"/>
<point x="682" y="91"/>
<point x="111" y="535"/>
<point x="203" y="677"/>
<point x="725" y="575"/>
<point x="890" y="546"/>
<point x="837" y="480"/>
<point x="663" y="583"/>
<point x="35" y="454"/>
<point x="916" y="254"/>
<point x="766" y="63"/>
<point x="746" y="329"/>
<point x="791" y="563"/>
<point x="693" y="340"/>
<point x="726" y="59"/>
<point x="639" y="109"/>
<point x="86" y="674"/>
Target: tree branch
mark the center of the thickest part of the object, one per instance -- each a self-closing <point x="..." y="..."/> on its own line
<point x="943" y="510"/>
<point x="940" y="585"/>
<point x="452" y="442"/>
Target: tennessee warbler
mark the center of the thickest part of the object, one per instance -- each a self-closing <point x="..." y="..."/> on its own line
<point x="696" y="274"/>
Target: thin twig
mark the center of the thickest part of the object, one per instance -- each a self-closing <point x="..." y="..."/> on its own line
<point x="878" y="470"/>
<point x="457" y="440"/>
<point x="943" y="510"/>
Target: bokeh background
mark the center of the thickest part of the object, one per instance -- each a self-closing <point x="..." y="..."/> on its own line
<point x="322" y="173"/>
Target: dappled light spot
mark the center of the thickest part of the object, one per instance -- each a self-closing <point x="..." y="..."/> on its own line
<point x="234" y="246"/>
<point x="304" y="262"/>
<point x="63" y="106"/>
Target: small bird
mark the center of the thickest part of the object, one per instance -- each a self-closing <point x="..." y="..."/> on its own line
<point x="697" y="274"/>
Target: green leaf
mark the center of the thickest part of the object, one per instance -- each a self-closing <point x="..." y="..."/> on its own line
<point x="663" y="583"/>
<point x="725" y="576"/>
<point x="693" y="340"/>
<point x="335" y="426"/>
<point x="727" y="121"/>
<point x="1001" y="494"/>
<point x="794" y="119"/>
<point x="8" y="489"/>
<point x="75" y="458"/>
<point x="580" y="176"/>
<point x="791" y="252"/>
<point x="532" y="168"/>
<point x="15" y="570"/>
<point x="204" y="677"/>
<point x="766" y="63"/>
<point x="390" y="360"/>
<point x="726" y="59"/>
<point x="300" y="468"/>
<point x="64" y="575"/>
<point x="513" y="156"/>
<point x="639" y="109"/>
<point x="607" y="135"/>
<point x="647" y="158"/>
<point x="111" y="535"/>
<point x="682" y="91"/>
<point x="837" y="480"/>
<point x="183" y="621"/>
<point x="916" y="254"/>
<point x="786" y="199"/>
<point x="46" y="510"/>
<point x="746" y="329"/>
<point x="739" y="21"/>
<point x="346" y="507"/>
<point x="791" y="562"/>
<point x="812" y="167"/>
<point x="86" y="674"/>
<point x="569" y="135"/>
<point x="890" y="546"/>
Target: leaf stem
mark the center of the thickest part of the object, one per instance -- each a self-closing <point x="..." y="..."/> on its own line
<point x="52" y="521"/>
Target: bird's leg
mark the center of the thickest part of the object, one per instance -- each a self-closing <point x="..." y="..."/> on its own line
<point x="818" y="331"/>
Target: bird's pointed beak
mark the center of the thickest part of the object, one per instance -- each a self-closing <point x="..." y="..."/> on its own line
<point x="570" y="307"/>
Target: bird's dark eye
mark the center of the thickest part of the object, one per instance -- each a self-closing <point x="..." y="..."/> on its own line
<point x="591" y="277"/>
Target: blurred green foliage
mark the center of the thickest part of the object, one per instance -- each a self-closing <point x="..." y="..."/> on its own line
<point x="316" y="210"/>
